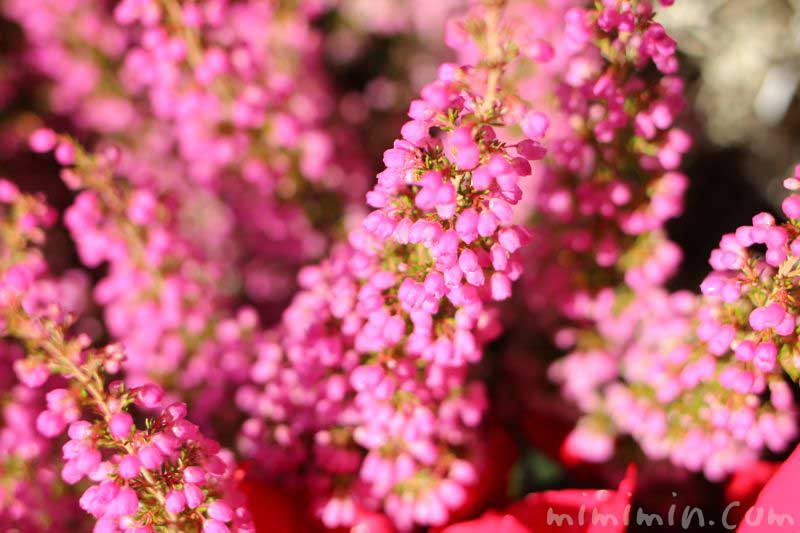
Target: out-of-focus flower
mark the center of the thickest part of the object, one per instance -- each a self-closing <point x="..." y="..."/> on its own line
<point x="776" y="508"/>
<point x="745" y="485"/>
<point x="572" y="511"/>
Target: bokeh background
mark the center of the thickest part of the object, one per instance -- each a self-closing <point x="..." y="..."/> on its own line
<point x="741" y="60"/>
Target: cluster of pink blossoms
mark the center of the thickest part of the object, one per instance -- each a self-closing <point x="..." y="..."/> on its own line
<point x="612" y="179"/>
<point x="165" y="474"/>
<point x="702" y="380"/>
<point x="31" y="494"/>
<point x="161" y="296"/>
<point x="226" y="106"/>
<point x="74" y="45"/>
<point x="659" y="365"/>
<point x="239" y="96"/>
<point x="371" y="365"/>
<point x="231" y="169"/>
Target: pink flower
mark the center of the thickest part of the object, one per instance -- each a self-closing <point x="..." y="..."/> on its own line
<point x="193" y="494"/>
<point x="175" y="501"/>
<point x="220" y="511"/>
<point x="125" y="503"/>
<point x="43" y="140"/>
<point x="150" y="456"/>
<point x="31" y="373"/>
<point x="791" y="206"/>
<point x="535" y="125"/>
<point x="129" y="467"/>
<point x="194" y="474"/>
<point x="215" y="526"/>
<point x="50" y="424"/>
<point x="467" y="225"/>
<point x="587" y="445"/>
<point x="149" y="396"/>
<point x="531" y="150"/>
<point x="120" y="425"/>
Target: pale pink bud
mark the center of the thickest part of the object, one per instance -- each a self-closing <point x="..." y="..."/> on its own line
<point x="50" y="424"/>
<point x="791" y="206"/>
<point x="43" y="140"/>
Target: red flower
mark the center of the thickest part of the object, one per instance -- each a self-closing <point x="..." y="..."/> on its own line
<point x="371" y="522"/>
<point x="490" y="522"/>
<point x="494" y="468"/>
<point x="568" y="511"/>
<point x="777" y="508"/>
<point x="549" y="442"/>
<point x="275" y="510"/>
<point x="745" y="485"/>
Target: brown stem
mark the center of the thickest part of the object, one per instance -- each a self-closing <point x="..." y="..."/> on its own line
<point x="58" y="353"/>
<point x="494" y="54"/>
